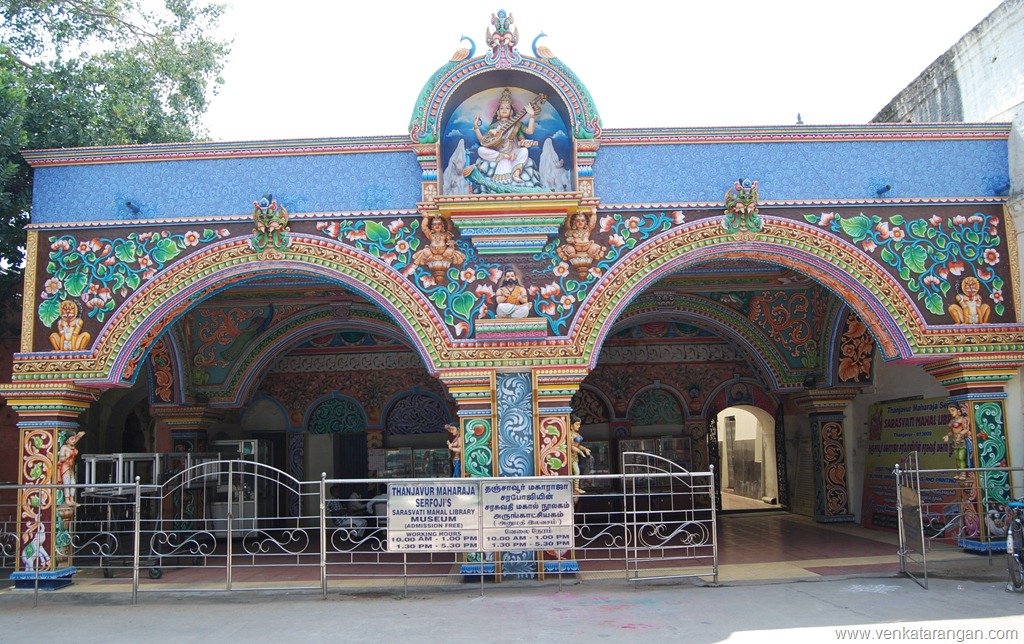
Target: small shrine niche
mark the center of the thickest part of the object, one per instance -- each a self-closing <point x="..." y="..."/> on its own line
<point x="507" y="139"/>
<point x="506" y="143"/>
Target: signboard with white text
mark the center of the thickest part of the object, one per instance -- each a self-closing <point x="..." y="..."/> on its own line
<point x="474" y="516"/>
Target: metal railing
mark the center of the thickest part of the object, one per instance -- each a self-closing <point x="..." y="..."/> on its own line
<point x="952" y="510"/>
<point x="239" y="525"/>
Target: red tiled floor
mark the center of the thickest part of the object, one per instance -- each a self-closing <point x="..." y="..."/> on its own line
<point x="765" y="538"/>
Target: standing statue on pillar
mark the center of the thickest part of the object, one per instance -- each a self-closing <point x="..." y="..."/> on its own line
<point x="959" y="433"/>
<point x="455" y="447"/>
<point x="577" y="450"/>
<point x="66" y="467"/>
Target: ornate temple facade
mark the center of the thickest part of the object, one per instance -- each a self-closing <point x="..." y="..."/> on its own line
<point x="508" y="262"/>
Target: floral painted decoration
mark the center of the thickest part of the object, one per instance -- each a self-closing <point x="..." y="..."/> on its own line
<point x="99" y="270"/>
<point x="925" y="253"/>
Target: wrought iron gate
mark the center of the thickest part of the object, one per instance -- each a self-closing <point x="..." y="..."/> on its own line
<point x="669" y="519"/>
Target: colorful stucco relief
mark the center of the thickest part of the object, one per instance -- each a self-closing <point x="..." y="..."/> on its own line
<point x="951" y="263"/>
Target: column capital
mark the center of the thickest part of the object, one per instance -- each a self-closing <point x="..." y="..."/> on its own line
<point x="825" y="401"/>
<point x="188" y="417"/>
<point x="976" y="374"/>
<point x="52" y="399"/>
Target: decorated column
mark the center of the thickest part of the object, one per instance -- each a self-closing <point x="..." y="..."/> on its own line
<point x="977" y="409"/>
<point x="826" y="408"/>
<point x="49" y="427"/>
<point x="554" y="389"/>
<point x="475" y="440"/>
<point x="182" y="430"/>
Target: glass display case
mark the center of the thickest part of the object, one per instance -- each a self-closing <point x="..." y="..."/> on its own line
<point x="397" y="463"/>
<point x="243" y="490"/>
<point x="672" y="448"/>
<point x="406" y="462"/>
<point x="676" y="449"/>
<point x="431" y="463"/>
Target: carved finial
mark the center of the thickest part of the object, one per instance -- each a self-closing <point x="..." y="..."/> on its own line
<point x="502" y="41"/>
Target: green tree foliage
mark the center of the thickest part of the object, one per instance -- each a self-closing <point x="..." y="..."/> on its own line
<point x="95" y="72"/>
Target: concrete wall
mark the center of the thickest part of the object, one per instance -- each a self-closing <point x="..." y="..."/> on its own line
<point x="980" y="79"/>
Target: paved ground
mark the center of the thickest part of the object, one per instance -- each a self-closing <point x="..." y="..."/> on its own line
<point x="782" y="578"/>
<point x="694" y="612"/>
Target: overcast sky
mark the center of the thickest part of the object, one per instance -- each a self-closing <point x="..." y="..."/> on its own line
<point x="313" y="69"/>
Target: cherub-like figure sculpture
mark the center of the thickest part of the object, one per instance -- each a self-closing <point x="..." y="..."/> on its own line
<point x="441" y="243"/>
<point x="69" y="335"/>
<point x="440" y="252"/>
<point x="969" y="308"/>
<point x="577" y="238"/>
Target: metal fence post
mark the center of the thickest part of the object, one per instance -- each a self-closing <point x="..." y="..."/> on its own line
<point x="230" y="519"/>
<point x="137" y="540"/>
<point x="323" y="535"/>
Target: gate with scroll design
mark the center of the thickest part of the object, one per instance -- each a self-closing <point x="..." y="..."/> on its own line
<point x="669" y="519"/>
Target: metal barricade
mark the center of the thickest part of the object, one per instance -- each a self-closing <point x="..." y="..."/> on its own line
<point x="239" y="525"/>
<point x="942" y="511"/>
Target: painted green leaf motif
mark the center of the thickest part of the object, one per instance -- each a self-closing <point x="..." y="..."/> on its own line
<point x="133" y="281"/>
<point x="77" y="283"/>
<point x="440" y="298"/>
<point x="811" y="218"/>
<point x="896" y="220"/>
<point x="1000" y="309"/>
<point x="126" y="251"/>
<point x="49" y="311"/>
<point x="934" y="304"/>
<point x="165" y="250"/>
<point x="856" y="227"/>
<point x="972" y="236"/>
<point x="555" y="463"/>
<point x="888" y="257"/>
<point x="377" y="233"/>
<point x="463" y="304"/>
<point x="915" y="258"/>
<point x="919" y="227"/>
<point x="904" y="273"/>
<point x="997" y="283"/>
<point x="944" y="287"/>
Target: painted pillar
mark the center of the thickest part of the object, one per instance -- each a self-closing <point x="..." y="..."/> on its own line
<point x="48" y="423"/>
<point x="184" y="428"/>
<point x="473" y="391"/>
<point x="181" y="430"/>
<point x="515" y="424"/>
<point x="826" y="408"/>
<point x="554" y="389"/>
<point x="976" y="385"/>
